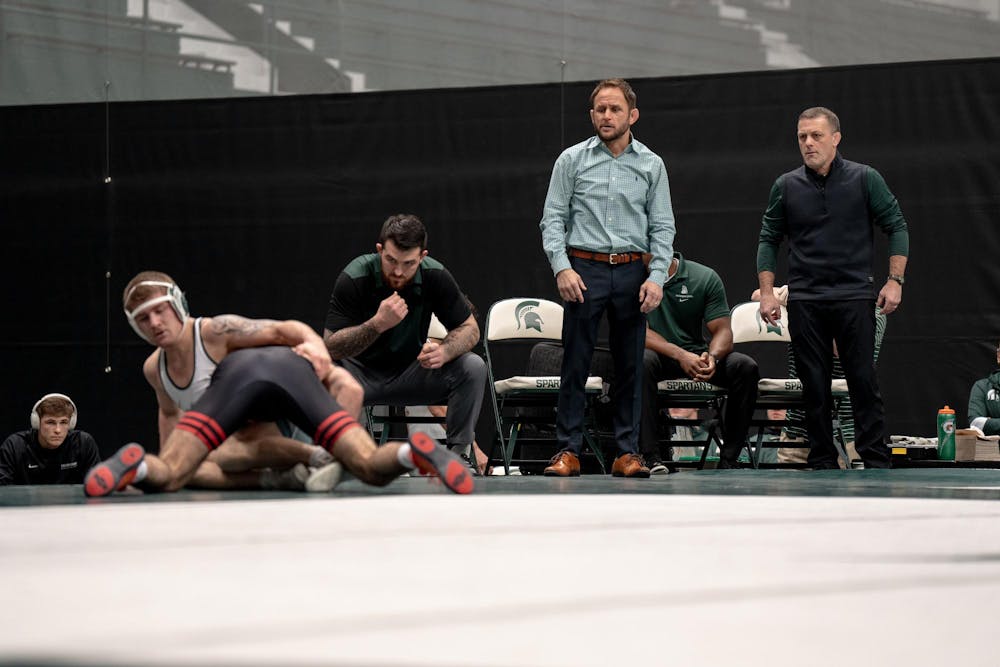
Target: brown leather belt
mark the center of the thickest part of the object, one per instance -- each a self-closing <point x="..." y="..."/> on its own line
<point x="605" y="258"/>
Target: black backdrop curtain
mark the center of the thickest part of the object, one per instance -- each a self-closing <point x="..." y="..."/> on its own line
<point x="254" y="206"/>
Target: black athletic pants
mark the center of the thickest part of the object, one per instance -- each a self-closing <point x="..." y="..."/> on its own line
<point x="814" y="326"/>
<point x="266" y="384"/>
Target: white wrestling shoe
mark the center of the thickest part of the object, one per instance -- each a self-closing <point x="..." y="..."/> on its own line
<point x="323" y="480"/>
<point x="293" y="479"/>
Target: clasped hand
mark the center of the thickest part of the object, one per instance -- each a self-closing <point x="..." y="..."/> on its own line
<point x="698" y="367"/>
<point x="433" y="355"/>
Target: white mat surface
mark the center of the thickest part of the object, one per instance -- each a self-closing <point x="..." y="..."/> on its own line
<point x="505" y="580"/>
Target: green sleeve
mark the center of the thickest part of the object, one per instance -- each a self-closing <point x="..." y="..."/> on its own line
<point x="716" y="305"/>
<point x="773" y="229"/>
<point x="887" y="215"/>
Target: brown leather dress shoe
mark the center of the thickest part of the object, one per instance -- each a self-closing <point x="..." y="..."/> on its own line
<point x="565" y="464"/>
<point x="629" y="465"/>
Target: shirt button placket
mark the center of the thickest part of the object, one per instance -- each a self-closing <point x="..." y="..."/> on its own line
<point x="611" y="193"/>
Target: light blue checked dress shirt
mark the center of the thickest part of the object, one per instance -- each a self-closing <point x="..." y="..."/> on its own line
<point x="601" y="203"/>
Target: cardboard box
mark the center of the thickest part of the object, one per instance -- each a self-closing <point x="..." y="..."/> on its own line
<point x="987" y="450"/>
<point x="965" y="445"/>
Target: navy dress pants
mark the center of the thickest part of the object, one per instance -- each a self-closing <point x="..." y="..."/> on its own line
<point x="613" y="289"/>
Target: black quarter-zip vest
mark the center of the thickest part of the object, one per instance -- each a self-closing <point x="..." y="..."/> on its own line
<point x="830" y="235"/>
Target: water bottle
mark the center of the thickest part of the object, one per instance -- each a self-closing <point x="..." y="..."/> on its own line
<point x="946" y="434"/>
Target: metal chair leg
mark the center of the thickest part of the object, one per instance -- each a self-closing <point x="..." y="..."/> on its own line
<point x="515" y="429"/>
<point x="597" y="451"/>
<point x="840" y="444"/>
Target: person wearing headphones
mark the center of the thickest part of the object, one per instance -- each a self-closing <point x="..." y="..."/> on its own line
<point x="52" y="451"/>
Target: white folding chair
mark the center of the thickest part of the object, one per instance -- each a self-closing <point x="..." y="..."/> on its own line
<point x="519" y="321"/>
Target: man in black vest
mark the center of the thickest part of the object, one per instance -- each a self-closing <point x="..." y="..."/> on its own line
<point x="827" y="208"/>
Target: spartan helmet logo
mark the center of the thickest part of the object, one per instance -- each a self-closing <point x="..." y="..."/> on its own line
<point x="526" y="314"/>
<point x="765" y="327"/>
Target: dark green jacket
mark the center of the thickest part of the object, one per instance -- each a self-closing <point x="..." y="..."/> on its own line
<point x="984" y="402"/>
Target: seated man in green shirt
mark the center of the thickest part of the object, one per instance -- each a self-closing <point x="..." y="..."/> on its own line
<point x="984" y="402"/>
<point x="694" y="298"/>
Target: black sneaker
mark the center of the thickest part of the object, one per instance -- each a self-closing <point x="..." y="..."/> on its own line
<point x="469" y="462"/>
<point x="658" y="468"/>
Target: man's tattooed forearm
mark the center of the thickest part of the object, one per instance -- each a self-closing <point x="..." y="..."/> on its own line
<point x="351" y="341"/>
<point x="461" y="339"/>
<point x="227" y="325"/>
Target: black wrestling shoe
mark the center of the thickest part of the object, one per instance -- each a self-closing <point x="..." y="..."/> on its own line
<point x="434" y="460"/>
<point x="115" y="473"/>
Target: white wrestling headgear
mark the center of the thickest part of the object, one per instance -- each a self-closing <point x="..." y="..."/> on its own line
<point x="174" y="296"/>
<point x="36" y="421"/>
